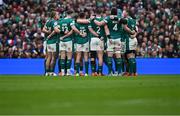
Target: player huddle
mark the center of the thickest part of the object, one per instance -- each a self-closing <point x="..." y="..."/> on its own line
<point x="103" y="38"/>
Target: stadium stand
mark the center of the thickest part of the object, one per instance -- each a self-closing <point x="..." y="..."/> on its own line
<point x="21" y="22"/>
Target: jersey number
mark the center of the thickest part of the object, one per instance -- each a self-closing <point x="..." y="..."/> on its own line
<point x="82" y="31"/>
<point x="64" y="28"/>
<point x="98" y="30"/>
<point x="115" y="28"/>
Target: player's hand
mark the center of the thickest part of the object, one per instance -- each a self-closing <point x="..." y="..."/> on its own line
<point x="111" y="17"/>
<point x="61" y="38"/>
<point x="66" y="32"/>
<point x="48" y="37"/>
<point x="83" y="34"/>
<point x="133" y="32"/>
<point x="110" y="41"/>
<point x="133" y="36"/>
<point x="92" y="17"/>
<point x="49" y="32"/>
<point x="101" y="38"/>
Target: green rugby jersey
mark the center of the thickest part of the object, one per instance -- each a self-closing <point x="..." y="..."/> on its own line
<point x="98" y="29"/>
<point x="114" y="27"/>
<point x="47" y="27"/>
<point x="65" y="25"/>
<point x="131" y="23"/>
<point x="83" y="28"/>
<point x="50" y="24"/>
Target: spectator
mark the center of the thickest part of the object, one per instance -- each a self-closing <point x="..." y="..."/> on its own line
<point x="21" y="22"/>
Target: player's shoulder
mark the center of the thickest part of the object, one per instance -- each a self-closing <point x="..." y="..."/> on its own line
<point x="107" y="18"/>
<point x="99" y="18"/>
<point x="55" y="22"/>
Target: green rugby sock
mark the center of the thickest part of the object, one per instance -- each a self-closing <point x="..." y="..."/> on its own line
<point x="77" y="65"/>
<point x="99" y="69"/>
<point x="134" y="66"/>
<point x="68" y="64"/>
<point x="86" y="67"/>
<point x="59" y="65"/>
<point x="119" y="64"/>
<point x="62" y="64"/>
<point x="45" y="68"/>
<point x="93" y="66"/>
<point x="131" y="65"/>
<point x="110" y="64"/>
<point x="81" y="67"/>
<point x="123" y="65"/>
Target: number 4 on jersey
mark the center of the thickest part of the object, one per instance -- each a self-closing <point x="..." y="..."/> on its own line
<point x="115" y="28"/>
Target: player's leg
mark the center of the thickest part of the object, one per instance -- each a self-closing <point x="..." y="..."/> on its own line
<point x="123" y="50"/>
<point x="93" y="62"/>
<point x="100" y="51"/>
<point x="63" y="56"/>
<point x="109" y="59"/>
<point x="131" y="62"/>
<point x="110" y="53"/>
<point x="131" y="56"/>
<point x="86" y="54"/>
<point x="78" y="58"/>
<point x="69" y="57"/>
<point x="45" y="57"/>
<point x="48" y="61"/>
<point x="49" y="65"/>
<point x="134" y="64"/>
<point x="118" y="63"/>
<point x="100" y="65"/>
<point x="126" y="61"/>
<point x="53" y="63"/>
<point x="86" y="57"/>
<point x="53" y="48"/>
<point x="74" y="56"/>
<point x="77" y="65"/>
<point x="105" y="57"/>
<point x="56" y="55"/>
<point x="81" y="66"/>
<point x="59" y="59"/>
<point x="96" y="45"/>
<point x="118" y="59"/>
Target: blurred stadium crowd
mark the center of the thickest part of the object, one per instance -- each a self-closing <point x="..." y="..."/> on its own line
<point x="21" y="22"/>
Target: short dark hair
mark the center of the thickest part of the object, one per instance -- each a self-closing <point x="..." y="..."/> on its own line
<point x="69" y="12"/>
<point x="98" y="11"/>
<point x="114" y="11"/>
<point x="131" y="14"/>
<point x="82" y="15"/>
<point x="52" y="14"/>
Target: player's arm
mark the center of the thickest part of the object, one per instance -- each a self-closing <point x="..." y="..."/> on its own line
<point x="134" y="35"/>
<point x="83" y="21"/>
<point x="106" y="30"/>
<point x="99" y="23"/>
<point x="73" y="27"/>
<point x="93" y="32"/>
<point x="125" y="27"/>
<point x="45" y="30"/>
<point x="77" y="31"/>
<point x="67" y="35"/>
<point x="56" y="29"/>
<point x="50" y="35"/>
<point x="107" y="33"/>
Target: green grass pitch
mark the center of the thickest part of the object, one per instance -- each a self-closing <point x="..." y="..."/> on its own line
<point x="146" y="95"/>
